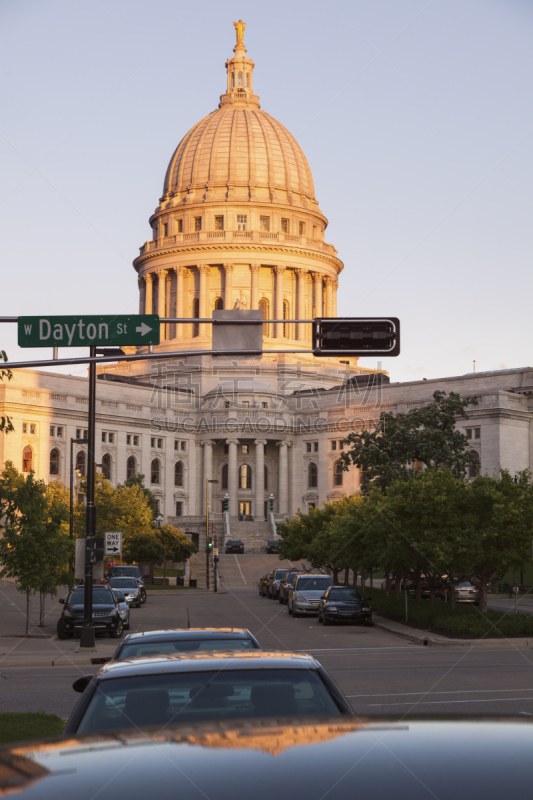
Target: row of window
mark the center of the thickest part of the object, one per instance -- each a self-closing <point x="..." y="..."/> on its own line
<point x="312" y="475"/>
<point x="242" y="225"/>
<point x="476" y="431"/>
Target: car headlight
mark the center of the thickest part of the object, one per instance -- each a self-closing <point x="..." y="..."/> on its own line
<point x="67" y="613"/>
<point x="135" y="594"/>
<point x="300" y="598"/>
<point x="331" y="608"/>
<point x="365" y="608"/>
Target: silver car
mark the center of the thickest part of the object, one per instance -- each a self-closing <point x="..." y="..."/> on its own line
<point x="466" y="592"/>
<point x="129" y="588"/>
<point x="305" y="592"/>
<point x="123" y="608"/>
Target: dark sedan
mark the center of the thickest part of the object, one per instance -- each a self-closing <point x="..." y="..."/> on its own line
<point x="234" y="546"/>
<point x="338" y="758"/>
<point x="158" y="691"/>
<point x="344" y="604"/>
<point x="272" y="546"/>
<point x="184" y="640"/>
<point x="283" y="594"/>
<point x="106" y="615"/>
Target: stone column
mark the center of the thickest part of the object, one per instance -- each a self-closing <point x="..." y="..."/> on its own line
<point x="207" y="473"/>
<point x="335" y="287"/>
<point x="232" y="476"/>
<point x="318" y="294"/>
<point x="283" y="473"/>
<point x="204" y="288"/>
<point x="259" y="501"/>
<point x="301" y="274"/>
<point x="279" y="300"/>
<point x="228" y="286"/>
<point x="148" y="286"/>
<point x="329" y="297"/>
<point x="142" y="300"/>
<point x="161" y="304"/>
<point x="254" y="304"/>
<point x="179" y="301"/>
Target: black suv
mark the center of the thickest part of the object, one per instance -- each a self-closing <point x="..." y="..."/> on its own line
<point x="106" y="616"/>
<point x="272" y="546"/>
<point x="234" y="546"/>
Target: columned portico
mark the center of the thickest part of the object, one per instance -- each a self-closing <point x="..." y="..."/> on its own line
<point x="207" y="472"/>
<point x="318" y="294"/>
<point x="232" y="476"/>
<point x="279" y="300"/>
<point x="259" y="501"/>
<point x="161" y="286"/>
<point x="283" y="472"/>
<point x="301" y="275"/>
<point x="180" y="271"/>
<point x="329" y="297"/>
<point x="204" y="288"/>
<point x="148" y="304"/>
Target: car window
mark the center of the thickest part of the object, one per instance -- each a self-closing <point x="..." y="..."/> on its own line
<point x="311" y="584"/>
<point x="101" y="596"/>
<point x="132" y="571"/>
<point x="140" y="648"/>
<point x="345" y="594"/>
<point x="158" y="700"/>
<point x="127" y="583"/>
<point x="280" y="573"/>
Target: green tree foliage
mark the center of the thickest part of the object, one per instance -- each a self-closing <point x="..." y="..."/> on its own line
<point x="124" y="508"/>
<point x="143" y="548"/>
<point x="138" y="480"/>
<point x="6" y="426"/>
<point x="425" y="436"/>
<point x="34" y="549"/>
<point x="176" y="545"/>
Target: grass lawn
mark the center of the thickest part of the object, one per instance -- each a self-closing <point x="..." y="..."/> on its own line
<point x="171" y="573"/>
<point x="463" y="621"/>
<point x="16" y="726"/>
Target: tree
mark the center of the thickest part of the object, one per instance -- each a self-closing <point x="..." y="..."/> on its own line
<point x="34" y="549"/>
<point x="176" y="546"/>
<point x="124" y="508"/>
<point x="138" y="480"/>
<point x="422" y="436"/>
<point x="144" y="548"/>
<point x="6" y="426"/>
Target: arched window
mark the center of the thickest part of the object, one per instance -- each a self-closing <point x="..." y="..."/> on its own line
<point x="54" y="461"/>
<point x="81" y="463"/>
<point x="155" y="471"/>
<point x="27" y="458"/>
<point x="474" y="467"/>
<point x="286" y="327"/>
<point x="195" y="314"/>
<point x="338" y="473"/>
<point x="312" y="476"/>
<point x="225" y="476"/>
<point x="245" y="477"/>
<point x="178" y="474"/>
<point x="266" y="477"/>
<point x="131" y="467"/>
<point x="240" y="79"/>
<point x="106" y="466"/>
<point x="265" y="310"/>
<point x="218" y="304"/>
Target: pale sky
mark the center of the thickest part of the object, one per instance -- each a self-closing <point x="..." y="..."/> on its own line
<point x="415" y="116"/>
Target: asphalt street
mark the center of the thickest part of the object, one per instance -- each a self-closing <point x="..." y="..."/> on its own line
<point x="381" y="673"/>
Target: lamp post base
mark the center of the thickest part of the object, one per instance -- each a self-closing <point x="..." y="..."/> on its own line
<point x="87" y="637"/>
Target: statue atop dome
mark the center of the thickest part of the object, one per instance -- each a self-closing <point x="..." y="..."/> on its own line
<point x="239" y="29"/>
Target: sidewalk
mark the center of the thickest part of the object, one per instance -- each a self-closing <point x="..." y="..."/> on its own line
<point x="429" y="639"/>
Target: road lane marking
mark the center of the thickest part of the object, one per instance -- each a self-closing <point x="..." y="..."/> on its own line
<point x="448" y="702"/>
<point x="240" y="570"/>
<point x="453" y="691"/>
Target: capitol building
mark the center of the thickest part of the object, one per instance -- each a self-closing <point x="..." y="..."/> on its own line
<point x="238" y="227"/>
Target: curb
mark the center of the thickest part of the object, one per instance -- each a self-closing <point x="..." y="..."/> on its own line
<point x="425" y="640"/>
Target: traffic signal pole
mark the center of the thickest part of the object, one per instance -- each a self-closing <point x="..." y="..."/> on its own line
<point x="87" y="637"/>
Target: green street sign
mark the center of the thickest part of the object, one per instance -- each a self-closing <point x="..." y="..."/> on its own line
<point x="88" y="331"/>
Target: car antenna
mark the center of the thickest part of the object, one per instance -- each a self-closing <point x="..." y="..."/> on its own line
<point x="188" y="620"/>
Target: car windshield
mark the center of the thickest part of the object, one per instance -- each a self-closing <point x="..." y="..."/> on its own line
<point x="313" y="584"/>
<point x="118" y="594"/>
<point x="134" y="572"/>
<point x="101" y="596"/>
<point x="465" y="585"/>
<point x="185" y="697"/>
<point x="346" y="594"/>
<point x="278" y="575"/>
<point x="126" y="583"/>
<point x="140" y="648"/>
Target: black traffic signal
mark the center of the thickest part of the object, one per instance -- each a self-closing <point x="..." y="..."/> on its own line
<point x="226" y="504"/>
<point x="271" y="505"/>
<point x="363" y="336"/>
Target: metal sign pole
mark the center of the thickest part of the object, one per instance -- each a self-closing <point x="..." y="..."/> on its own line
<point x="87" y="638"/>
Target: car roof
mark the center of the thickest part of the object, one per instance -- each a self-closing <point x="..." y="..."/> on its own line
<point x="206" y="662"/>
<point x="184" y="634"/>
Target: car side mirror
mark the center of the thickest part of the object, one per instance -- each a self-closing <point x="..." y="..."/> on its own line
<point x="62" y="600"/>
<point x="81" y="684"/>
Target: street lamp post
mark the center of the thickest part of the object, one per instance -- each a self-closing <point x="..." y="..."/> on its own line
<point x="207" y="482"/>
<point x="71" y="525"/>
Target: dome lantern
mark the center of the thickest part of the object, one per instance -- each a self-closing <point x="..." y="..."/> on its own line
<point x="239" y="69"/>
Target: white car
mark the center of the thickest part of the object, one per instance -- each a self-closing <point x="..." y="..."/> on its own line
<point x="123" y="608"/>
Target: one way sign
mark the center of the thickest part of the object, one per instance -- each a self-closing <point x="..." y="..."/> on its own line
<point x="113" y="543"/>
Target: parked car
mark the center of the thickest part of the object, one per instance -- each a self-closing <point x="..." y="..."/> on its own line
<point x="285" y="584"/>
<point x="234" y="546"/>
<point x="159" y="691"/>
<point x="123" y="608"/>
<point x="273" y="584"/>
<point x="132" y="571"/>
<point x="106" y="615"/>
<point x="339" y="758"/>
<point x="184" y="640"/>
<point x="263" y="583"/>
<point x="129" y="587"/>
<point x="272" y="546"/>
<point x="344" y="604"/>
<point x="305" y="592"/>
<point x="466" y="592"/>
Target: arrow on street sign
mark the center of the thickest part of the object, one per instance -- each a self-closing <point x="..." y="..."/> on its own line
<point x="143" y="329"/>
<point x="113" y="543"/>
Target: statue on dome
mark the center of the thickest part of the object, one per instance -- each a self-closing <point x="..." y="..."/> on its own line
<point x="239" y="27"/>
